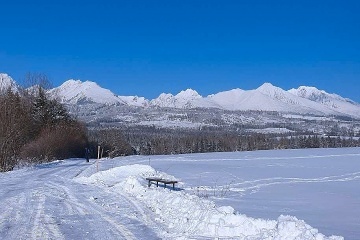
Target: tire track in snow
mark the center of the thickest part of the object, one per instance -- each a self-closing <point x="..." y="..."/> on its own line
<point x="44" y="226"/>
<point x="18" y="210"/>
<point x="45" y="203"/>
<point x="263" y="158"/>
<point x="257" y="184"/>
<point x="61" y="193"/>
<point x="76" y="206"/>
<point x="8" y="215"/>
<point x="146" y="214"/>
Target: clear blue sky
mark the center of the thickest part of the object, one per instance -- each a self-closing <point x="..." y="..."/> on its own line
<point x="147" y="47"/>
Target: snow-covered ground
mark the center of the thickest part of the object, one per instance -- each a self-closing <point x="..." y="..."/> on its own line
<point x="286" y="194"/>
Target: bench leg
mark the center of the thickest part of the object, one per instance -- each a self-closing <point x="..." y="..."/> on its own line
<point x="173" y="186"/>
<point x="149" y="184"/>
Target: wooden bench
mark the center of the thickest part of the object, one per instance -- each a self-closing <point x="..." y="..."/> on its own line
<point x="164" y="181"/>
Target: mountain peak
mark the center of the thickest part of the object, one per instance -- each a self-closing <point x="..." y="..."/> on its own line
<point x="267" y="87"/>
<point x="78" y="83"/>
<point x="4" y="76"/>
<point x="313" y="93"/>
<point x="306" y="91"/>
<point x="272" y="91"/>
<point x="183" y="99"/>
<point x="72" y="82"/>
<point x="188" y="94"/>
<point x="7" y="82"/>
<point x="75" y="91"/>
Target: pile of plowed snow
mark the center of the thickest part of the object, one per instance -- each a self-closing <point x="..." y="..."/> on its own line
<point x="189" y="216"/>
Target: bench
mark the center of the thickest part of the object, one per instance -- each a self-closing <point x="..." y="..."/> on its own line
<point x="164" y="181"/>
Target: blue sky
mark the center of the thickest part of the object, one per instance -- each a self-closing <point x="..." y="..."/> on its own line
<point x="147" y="47"/>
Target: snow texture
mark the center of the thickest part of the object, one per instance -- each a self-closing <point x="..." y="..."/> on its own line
<point x="216" y="195"/>
<point x="188" y="216"/>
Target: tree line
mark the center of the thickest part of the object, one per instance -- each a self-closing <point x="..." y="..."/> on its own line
<point x="35" y="128"/>
<point x="152" y="141"/>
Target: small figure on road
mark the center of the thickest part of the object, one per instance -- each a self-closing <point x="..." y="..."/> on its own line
<point x="87" y="154"/>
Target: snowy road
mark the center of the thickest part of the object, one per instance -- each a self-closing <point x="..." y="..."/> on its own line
<point x="45" y="203"/>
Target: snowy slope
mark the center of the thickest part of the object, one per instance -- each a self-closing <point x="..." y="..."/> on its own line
<point x="259" y="99"/>
<point x="249" y="100"/>
<point x="78" y="92"/>
<point x="229" y="100"/>
<point x="332" y="101"/>
<point x="7" y="82"/>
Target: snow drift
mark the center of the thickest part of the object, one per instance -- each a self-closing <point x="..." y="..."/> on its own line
<point x="187" y="216"/>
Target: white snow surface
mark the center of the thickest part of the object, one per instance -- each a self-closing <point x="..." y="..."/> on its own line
<point x="219" y="196"/>
<point x="188" y="216"/>
<point x="228" y="100"/>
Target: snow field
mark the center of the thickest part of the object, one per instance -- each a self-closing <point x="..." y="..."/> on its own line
<point x="187" y="216"/>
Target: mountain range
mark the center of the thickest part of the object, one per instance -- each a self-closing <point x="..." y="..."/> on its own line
<point x="267" y="97"/>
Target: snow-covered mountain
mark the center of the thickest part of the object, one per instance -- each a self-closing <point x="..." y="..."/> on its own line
<point x="267" y="97"/>
<point x="78" y="92"/>
<point x="247" y="100"/>
<point x="293" y="102"/>
<point x="7" y="82"/>
<point x="332" y="101"/>
<point x="229" y="100"/>
<point x="304" y="100"/>
<point x="184" y="99"/>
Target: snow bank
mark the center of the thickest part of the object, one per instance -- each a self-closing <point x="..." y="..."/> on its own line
<point x="189" y="216"/>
